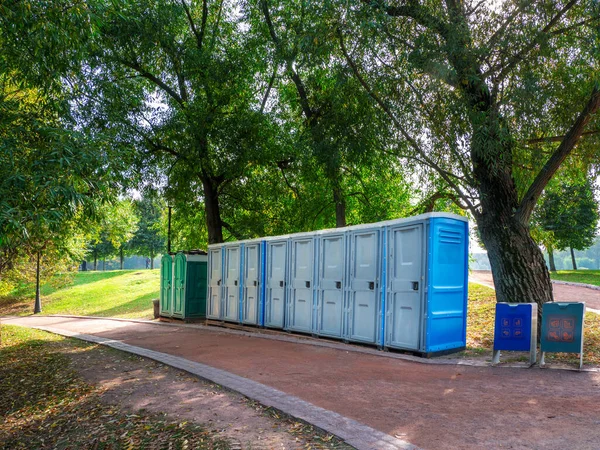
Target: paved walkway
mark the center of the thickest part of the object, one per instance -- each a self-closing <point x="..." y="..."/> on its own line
<point x="430" y="406"/>
<point x="562" y="292"/>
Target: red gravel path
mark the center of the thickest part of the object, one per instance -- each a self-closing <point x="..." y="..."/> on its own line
<point x="432" y="406"/>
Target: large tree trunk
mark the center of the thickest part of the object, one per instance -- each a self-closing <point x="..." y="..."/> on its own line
<point x="340" y="207"/>
<point x="121" y="257"/>
<point x="551" y="259"/>
<point x="573" y="258"/>
<point x="518" y="265"/>
<point x="213" y="212"/>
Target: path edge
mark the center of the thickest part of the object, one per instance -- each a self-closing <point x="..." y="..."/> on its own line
<point x="352" y="432"/>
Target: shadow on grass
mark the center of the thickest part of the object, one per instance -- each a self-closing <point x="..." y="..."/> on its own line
<point x="138" y="304"/>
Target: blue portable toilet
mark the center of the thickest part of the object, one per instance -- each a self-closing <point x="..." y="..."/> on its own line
<point x="426" y="271"/>
<point x="301" y="286"/>
<point x="276" y="279"/>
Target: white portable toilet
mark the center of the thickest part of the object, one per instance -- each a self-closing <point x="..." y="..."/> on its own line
<point x="276" y="273"/>
<point x="405" y="283"/>
<point x="301" y="287"/>
<point x="364" y="294"/>
<point x="251" y="304"/>
<point x="231" y="303"/>
<point x="330" y="283"/>
<point x="214" y="308"/>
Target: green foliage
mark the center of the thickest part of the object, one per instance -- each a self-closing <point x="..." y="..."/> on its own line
<point x="570" y="212"/>
<point x="116" y="225"/>
<point x="147" y="240"/>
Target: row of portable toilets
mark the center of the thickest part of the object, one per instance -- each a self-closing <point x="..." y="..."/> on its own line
<point x="398" y="284"/>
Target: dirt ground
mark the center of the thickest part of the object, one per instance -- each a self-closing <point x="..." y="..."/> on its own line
<point x="139" y="384"/>
<point x="562" y="292"/>
<point x="432" y="406"/>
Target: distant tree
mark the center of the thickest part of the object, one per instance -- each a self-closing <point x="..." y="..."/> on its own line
<point x="570" y="212"/>
<point x="116" y="227"/>
<point x="148" y="239"/>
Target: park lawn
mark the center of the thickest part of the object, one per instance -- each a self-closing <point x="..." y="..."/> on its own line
<point x="117" y="293"/>
<point x="578" y="276"/>
<point x="45" y="404"/>
<point x="480" y="330"/>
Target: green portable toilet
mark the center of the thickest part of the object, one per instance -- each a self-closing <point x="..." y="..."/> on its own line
<point x="166" y="286"/>
<point x="190" y="285"/>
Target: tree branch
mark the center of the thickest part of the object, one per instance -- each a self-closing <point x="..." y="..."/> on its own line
<point x="564" y="149"/>
<point x="271" y="81"/>
<point x="514" y="60"/>
<point x="154" y="79"/>
<point x="413" y="143"/>
<point x="557" y="138"/>
<point x="304" y="103"/>
<point x="413" y="10"/>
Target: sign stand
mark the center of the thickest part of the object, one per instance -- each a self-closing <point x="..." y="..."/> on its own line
<point x="562" y="329"/>
<point x="515" y="330"/>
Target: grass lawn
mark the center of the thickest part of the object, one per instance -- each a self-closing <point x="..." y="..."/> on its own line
<point x="44" y="404"/>
<point x="578" y="276"/>
<point x="117" y="293"/>
<point x="480" y="330"/>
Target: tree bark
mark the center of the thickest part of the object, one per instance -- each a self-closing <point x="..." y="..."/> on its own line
<point x="152" y="255"/>
<point x="551" y="259"/>
<point x="213" y="212"/>
<point x="573" y="258"/>
<point x="340" y="207"/>
<point x="104" y="265"/>
<point x="518" y="266"/>
<point x="95" y="259"/>
<point x="121" y="257"/>
<point x="37" y="308"/>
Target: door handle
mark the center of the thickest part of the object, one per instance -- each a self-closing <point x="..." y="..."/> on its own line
<point x="371" y="285"/>
<point x="281" y="284"/>
<point x="255" y="283"/>
<point x="307" y="284"/>
<point x="415" y="285"/>
<point x="235" y="282"/>
<point x="338" y="284"/>
<point x="219" y="283"/>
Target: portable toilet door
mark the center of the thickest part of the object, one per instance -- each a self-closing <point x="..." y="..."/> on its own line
<point x="301" y="285"/>
<point x="364" y="289"/>
<point x="331" y="285"/>
<point x="405" y="279"/>
<point x="215" y="283"/>
<point x="195" y="291"/>
<point x="231" y="310"/>
<point x="251" y="298"/>
<point x="276" y="276"/>
<point x="166" y="280"/>
<point x="179" y="285"/>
